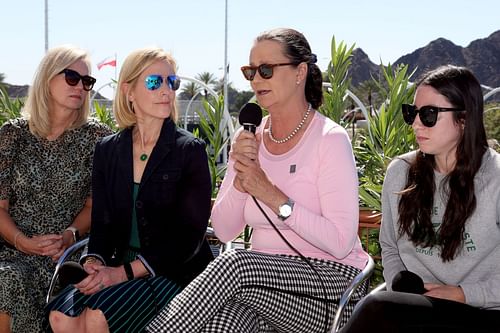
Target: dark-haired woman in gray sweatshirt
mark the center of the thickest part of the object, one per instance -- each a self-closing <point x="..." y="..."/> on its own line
<point x="441" y="218"/>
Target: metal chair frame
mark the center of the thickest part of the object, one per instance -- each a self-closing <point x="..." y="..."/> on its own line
<point x="80" y="245"/>
<point x="67" y="253"/>
<point x="361" y="278"/>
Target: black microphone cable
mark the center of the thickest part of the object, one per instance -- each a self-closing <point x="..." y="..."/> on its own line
<point x="308" y="262"/>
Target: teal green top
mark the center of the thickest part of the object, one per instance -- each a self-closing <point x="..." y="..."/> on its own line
<point x="134" y="241"/>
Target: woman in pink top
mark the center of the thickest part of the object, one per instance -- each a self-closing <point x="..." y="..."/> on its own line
<point x="300" y="169"/>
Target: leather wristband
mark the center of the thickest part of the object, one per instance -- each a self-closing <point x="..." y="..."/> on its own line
<point x="128" y="271"/>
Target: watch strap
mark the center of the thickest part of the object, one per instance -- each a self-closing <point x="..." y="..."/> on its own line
<point x="128" y="271"/>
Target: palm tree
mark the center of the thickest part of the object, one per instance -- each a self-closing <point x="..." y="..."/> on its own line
<point x="207" y="78"/>
<point x="219" y="86"/>
<point x="370" y="93"/>
<point x="189" y="90"/>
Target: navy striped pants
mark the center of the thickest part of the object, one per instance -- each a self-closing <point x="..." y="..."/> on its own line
<point x="128" y="306"/>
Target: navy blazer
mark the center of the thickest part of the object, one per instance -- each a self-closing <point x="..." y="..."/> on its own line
<point x="172" y="205"/>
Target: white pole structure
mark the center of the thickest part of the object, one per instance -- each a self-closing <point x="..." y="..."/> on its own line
<point x="116" y="68"/>
<point x="227" y="116"/>
<point x="110" y="84"/>
<point x="226" y="74"/>
<point x="355" y="98"/>
<point x="491" y="93"/>
<point x="116" y="75"/>
<point x="188" y="107"/>
<point x="46" y="25"/>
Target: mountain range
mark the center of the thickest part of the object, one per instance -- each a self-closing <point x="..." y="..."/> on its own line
<point x="482" y="56"/>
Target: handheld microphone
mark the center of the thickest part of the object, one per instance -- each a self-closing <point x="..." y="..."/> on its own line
<point x="408" y="282"/>
<point x="250" y="116"/>
<point x="71" y="272"/>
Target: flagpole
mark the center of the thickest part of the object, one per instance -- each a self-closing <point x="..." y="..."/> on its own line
<point x="116" y="79"/>
<point x="46" y="25"/>
<point x="226" y="71"/>
<point x="226" y="78"/>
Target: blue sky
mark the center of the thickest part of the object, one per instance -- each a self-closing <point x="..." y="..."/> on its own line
<point x="193" y="30"/>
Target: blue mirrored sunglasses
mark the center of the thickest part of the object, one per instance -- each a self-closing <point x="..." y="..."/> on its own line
<point x="153" y="82"/>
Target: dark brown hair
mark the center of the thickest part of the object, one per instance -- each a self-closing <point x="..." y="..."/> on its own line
<point x="463" y="91"/>
<point x="297" y="49"/>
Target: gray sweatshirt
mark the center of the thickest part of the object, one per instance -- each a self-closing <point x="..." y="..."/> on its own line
<point x="477" y="267"/>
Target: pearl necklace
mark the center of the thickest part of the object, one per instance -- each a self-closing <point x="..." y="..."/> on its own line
<point x="295" y="131"/>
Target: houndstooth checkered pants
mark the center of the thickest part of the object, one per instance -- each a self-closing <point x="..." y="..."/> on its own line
<point x="247" y="291"/>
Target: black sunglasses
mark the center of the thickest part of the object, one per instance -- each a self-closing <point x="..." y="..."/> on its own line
<point x="427" y="114"/>
<point x="73" y="77"/>
<point x="265" y="70"/>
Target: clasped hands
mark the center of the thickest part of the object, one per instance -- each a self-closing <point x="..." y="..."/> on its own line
<point x="452" y="293"/>
<point x="51" y="245"/>
<point x="100" y="277"/>
<point x="250" y="178"/>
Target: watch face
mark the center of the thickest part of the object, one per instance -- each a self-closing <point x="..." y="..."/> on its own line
<point x="285" y="210"/>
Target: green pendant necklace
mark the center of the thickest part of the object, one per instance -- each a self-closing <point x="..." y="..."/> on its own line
<point x="144" y="155"/>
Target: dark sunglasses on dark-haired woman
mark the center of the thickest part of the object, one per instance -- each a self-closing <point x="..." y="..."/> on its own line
<point x="73" y="77"/>
<point x="265" y="70"/>
<point x="427" y="114"/>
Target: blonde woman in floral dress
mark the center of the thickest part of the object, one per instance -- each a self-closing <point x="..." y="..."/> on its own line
<point x="45" y="174"/>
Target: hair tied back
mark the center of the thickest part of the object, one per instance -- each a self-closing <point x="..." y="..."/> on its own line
<point x="313" y="59"/>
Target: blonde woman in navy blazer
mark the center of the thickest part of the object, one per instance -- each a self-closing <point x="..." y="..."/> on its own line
<point x="151" y="194"/>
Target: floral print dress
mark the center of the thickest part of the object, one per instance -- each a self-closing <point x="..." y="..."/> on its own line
<point x="46" y="184"/>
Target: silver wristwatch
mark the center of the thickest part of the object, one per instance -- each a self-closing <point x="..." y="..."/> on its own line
<point x="285" y="210"/>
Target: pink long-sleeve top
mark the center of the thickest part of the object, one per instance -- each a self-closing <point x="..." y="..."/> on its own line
<point x="319" y="175"/>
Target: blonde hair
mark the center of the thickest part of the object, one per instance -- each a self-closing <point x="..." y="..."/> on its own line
<point x="36" y="109"/>
<point x="133" y="66"/>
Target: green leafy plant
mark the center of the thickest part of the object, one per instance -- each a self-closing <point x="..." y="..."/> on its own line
<point x="334" y="96"/>
<point x="213" y="127"/>
<point x="105" y="116"/>
<point x="214" y="130"/>
<point x="492" y="124"/>
<point x="9" y="108"/>
<point x="387" y="135"/>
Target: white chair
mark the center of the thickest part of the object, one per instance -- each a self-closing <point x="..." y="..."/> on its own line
<point x="380" y="287"/>
<point x="65" y="256"/>
<point x="358" y="281"/>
